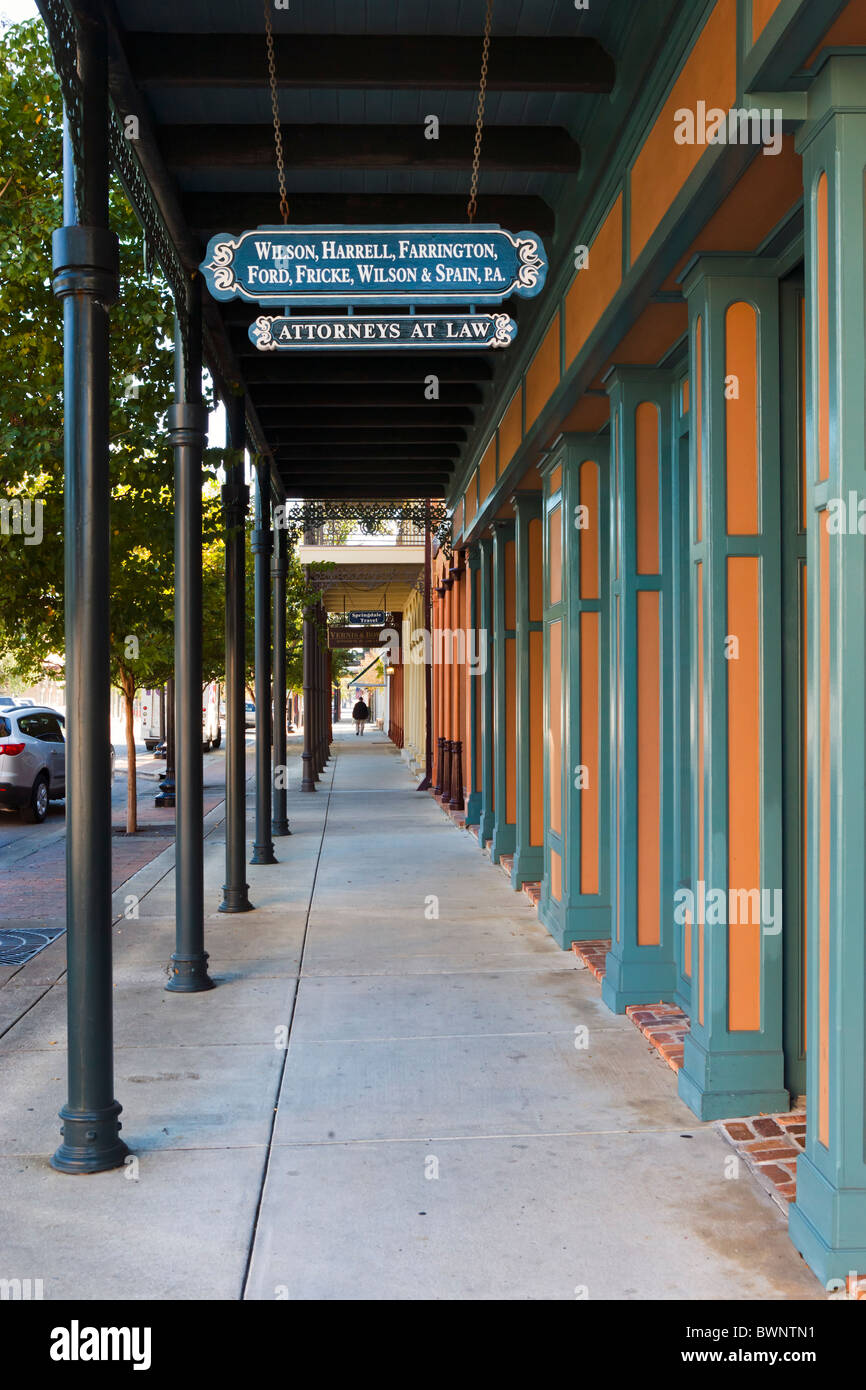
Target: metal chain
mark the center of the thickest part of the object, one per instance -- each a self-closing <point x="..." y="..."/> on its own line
<point x="472" y="205"/>
<point x="275" y="108"/>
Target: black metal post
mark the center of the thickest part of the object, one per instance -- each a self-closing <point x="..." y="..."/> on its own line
<point x="308" y="779"/>
<point x="167" y="784"/>
<point x="280" y="823"/>
<point x="86" y="280"/>
<point x="187" y="433"/>
<point x="236" y="496"/>
<point x="263" y="845"/>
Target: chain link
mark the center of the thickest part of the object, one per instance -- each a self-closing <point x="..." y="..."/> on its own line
<point x="472" y="205"/>
<point x="275" y="108"/>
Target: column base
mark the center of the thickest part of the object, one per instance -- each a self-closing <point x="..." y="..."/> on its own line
<point x="828" y="1226"/>
<point x="263" y="854"/>
<point x="726" y="1085"/>
<point x="280" y="827"/>
<point x="504" y="839"/>
<point x="637" y="982"/>
<point x="90" y="1141"/>
<point x="486" y="827"/>
<point x="473" y="808"/>
<point x="235" y="900"/>
<point x="528" y="866"/>
<point x="189" y="974"/>
<point x="164" y="799"/>
<point x="569" y="924"/>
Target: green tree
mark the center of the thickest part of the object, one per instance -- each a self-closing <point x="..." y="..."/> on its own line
<point x="31" y="411"/>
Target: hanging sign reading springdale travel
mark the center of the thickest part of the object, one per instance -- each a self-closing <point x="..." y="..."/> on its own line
<point x="397" y="330"/>
<point x="453" y="264"/>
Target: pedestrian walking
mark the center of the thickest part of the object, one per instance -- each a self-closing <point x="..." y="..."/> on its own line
<point x="360" y="714"/>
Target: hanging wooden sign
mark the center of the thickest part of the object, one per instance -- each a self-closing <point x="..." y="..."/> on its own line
<point x="392" y="330"/>
<point x="480" y="263"/>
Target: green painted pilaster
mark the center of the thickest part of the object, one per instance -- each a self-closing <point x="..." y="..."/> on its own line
<point x="828" y="1219"/>
<point x="476" y="688"/>
<point x="734" y="1062"/>
<point x="487" y="813"/>
<point x="640" y="964"/>
<point x="528" y="864"/>
<point x="682" y="693"/>
<point x="504" y="690"/>
<point x="575" y="889"/>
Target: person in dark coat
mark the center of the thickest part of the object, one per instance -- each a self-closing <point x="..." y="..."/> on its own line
<point x="360" y="714"/>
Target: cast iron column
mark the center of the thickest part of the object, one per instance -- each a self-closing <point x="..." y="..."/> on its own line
<point x="236" y="496"/>
<point x="280" y="823"/>
<point x="308" y="780"/>
<point x="167" y="785"/>
<point x="187" y="433"/>
<point x="86" y="280"/>
<point x="263" y="846"/>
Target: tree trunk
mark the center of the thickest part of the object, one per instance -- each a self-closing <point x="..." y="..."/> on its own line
<point x="131" y="783"/>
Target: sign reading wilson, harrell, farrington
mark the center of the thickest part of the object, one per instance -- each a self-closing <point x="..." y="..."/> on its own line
<point x="459" y="264"/>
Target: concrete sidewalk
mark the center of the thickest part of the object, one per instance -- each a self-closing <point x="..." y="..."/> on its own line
<point x="430" y="1130"/>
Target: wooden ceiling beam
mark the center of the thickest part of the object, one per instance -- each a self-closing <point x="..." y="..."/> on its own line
<point x="428" y="62"/>
<point x="548" y="149"/>
<point x="211" y="212"/>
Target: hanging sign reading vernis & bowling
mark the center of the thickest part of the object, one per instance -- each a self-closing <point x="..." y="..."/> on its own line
<point x="375" y="266"/>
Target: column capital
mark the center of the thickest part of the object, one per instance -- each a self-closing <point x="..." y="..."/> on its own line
<point x="724" y="265"/>
<point x="639" y="378"/>
<point x="527" y="504"/>
<point x="86" y="260"/>
<point x="473" y="556"/>
<point x="187" y="424"/>
<point x="839" y="89"/>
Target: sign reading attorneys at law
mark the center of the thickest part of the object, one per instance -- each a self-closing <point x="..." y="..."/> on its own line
<point x="375" y="331"/>
<point x="450" y="264"/>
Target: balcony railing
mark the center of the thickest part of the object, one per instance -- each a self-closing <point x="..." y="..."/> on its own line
<point x="334" y="533"/>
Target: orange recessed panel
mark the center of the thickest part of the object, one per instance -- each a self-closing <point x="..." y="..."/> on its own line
<point x="595" y="285"/>
<point x="662" y="166"/>
<point x="589" y="752"/>
<point x="741" y="419"/>
<point x="762" y="13"/>
<point x="554" y="747"/>
<point x="542" y="377"/>
<point x="487" y="470"/>
<point x="554" y="553"/>
<point x="535" y="539"/>
<point x="536" y="738"/>
<point x="744" y="792"/>
<point x="511" y="430"/>
<point x="646" y="471"/>
<point x="589" y="536"/>
<point x="648" y="769"/>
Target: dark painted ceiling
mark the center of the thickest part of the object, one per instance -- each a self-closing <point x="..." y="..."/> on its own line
<point x="357" y="78"/>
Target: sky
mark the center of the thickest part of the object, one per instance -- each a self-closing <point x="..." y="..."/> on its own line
<point x="17" y="10"/>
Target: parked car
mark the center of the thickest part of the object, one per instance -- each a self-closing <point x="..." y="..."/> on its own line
<point x="249" y="715"/>
<point x="33" y="759"/>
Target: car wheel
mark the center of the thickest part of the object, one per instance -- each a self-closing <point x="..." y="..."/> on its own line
<point x="37" y="810"/>
<point x="205" y="748"/>
<point x="218" y="740"/>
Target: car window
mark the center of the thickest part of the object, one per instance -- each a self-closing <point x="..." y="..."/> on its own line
<point x="5" y="728"/>
<point x="45" y="727"/>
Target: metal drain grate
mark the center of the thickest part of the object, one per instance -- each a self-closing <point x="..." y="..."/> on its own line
<point x="20" y="944"/>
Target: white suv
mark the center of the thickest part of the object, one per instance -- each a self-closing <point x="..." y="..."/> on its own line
<point x="33" y="759"/>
